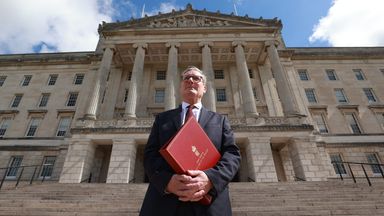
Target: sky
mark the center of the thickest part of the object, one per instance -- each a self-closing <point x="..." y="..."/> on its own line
<point x="34" y="26"/>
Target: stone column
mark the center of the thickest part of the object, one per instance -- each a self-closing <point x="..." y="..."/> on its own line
<point x="78" y="162"/>
<point x="308" y="162"/>
<point x="260" y="160"/>
<point x="209" y="99"/>
<point x="105" y="67"/>
<point x="172" y="74"/>
<point x="245" y="82"/>
<point x="122" y="163"/>
<point x="286" y="97"/>
<point x="137" y="74"/>
<point x="270" y="92"/>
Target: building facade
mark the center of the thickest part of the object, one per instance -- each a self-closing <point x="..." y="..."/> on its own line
<point x="82" y="115"/>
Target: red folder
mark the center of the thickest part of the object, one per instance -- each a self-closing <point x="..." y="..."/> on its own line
<point x="191" y="149"/>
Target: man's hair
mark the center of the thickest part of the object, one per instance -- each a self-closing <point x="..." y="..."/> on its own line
<point x="190" y="68"/>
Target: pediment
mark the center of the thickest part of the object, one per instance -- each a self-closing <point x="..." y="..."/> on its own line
<point x="190" y="18"/>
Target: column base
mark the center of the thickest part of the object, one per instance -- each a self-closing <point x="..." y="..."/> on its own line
<point x="88" y="117"/>
<point x="128" y="116"/>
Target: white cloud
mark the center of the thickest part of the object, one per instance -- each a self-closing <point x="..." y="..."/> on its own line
<point x="55" y="25"/>
<point x="165" y="7"/>
<point x="352" y="23"/>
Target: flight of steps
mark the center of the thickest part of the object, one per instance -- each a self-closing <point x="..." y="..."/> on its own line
<point x="261" y="199"/>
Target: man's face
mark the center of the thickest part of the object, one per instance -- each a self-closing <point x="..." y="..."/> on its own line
<point x="192" y="87"/>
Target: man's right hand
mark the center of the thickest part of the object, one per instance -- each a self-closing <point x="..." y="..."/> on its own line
<point x="181" y="187"/>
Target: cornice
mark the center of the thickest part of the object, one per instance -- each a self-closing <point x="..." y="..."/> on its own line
<point x="335" y="53"/>
<point x="49" y="58"/>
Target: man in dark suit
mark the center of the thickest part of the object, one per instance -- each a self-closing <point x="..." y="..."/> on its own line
<point x="171" y="194"/>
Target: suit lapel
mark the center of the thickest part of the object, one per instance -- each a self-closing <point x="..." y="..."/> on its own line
<point x="176" y="118"/>
<point x="204" y="117"/>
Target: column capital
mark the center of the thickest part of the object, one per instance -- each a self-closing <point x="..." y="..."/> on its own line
<point x="206" y="43"/>
<point x="271" y="42"/>
<point x="239" y="42"/>
<point x="142" y="45"/>
<point x="173" y="43"/>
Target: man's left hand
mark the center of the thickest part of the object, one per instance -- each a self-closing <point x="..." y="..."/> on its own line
<point x="199" y="184"/>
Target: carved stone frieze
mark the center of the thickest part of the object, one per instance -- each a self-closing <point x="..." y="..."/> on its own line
<point x="188" y="21"/>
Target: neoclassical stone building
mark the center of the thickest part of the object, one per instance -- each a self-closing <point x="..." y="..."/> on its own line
<point x="293" y="110"/>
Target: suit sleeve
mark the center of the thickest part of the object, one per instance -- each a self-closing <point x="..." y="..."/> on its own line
<point x="156" y="168"/>
<point x="227" y="167"/>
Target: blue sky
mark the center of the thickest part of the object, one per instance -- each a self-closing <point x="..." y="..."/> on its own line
<point x="71" y="25"/>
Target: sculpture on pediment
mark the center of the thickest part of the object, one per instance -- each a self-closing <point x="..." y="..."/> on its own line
<point x="184" y="21"/>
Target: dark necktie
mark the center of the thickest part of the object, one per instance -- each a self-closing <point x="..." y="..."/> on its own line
<point x="189" y="113"/>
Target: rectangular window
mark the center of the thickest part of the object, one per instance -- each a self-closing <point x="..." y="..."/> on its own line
<point x="126" y="95"/>
<point x="221" y="95"/>
<point x="340" y="96"/>
<point x="26" y="80"/>
<point x="4" y="125"/>
<point x="78" y="79"/>
<point x="16" y="100"/>
<point x="2" y="80"/>
<point x="370" y="95"/>
<point x="72" y="98"/>
<point x="352" y="122"/>
<point x="33" y="125"/>
<point x="47" y="166"/>
<point x="250" y="72"/>
<point x="359" y="74"/>
<point x="337" y="165"/>
<point x="44" y="100"/>
<point x="320" y="122"/>
<point x="161" y="75"/>
<point x="129" y="76"/>
<point x="372" y="158"/>
<point x="380" y="117"/>
<point x="63" y="127"/>
<point x="14" y="165"/>
<point x="331" y="74"/>
<point x="311" y="97"/>
<point x="52" y="79"/>
<point x="159" y="95"/>
<point x="303" y="75"/>
<point x="254" y="90"/>
<point x="219" y="74"/>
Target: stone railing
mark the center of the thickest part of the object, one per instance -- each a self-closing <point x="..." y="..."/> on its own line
<point x="147" y="122"/>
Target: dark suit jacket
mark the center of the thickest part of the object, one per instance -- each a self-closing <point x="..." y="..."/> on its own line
<point x="156" y="201"/>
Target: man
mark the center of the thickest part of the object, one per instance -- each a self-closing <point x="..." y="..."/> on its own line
<point x="170" y="194"/>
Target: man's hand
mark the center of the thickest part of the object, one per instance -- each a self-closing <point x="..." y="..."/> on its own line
<point x="190" y="187"/>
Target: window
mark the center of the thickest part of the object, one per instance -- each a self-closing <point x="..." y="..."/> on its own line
<point x="352" y="122"/>
<point x="44" y="100"/>
<point x="372" y="158"/>
<point x="331" y="74"/>
<point x="382" y="71"/>
<point x="370" y="95"/>
<point x="52" y="79"/>
<point x="14" y="165"/>
<point x="33" y="125"/>
<point x="254" y="91"/>
<point x="340" y="96"/>
<point x="4" y="124"/>
<point x="2" y="80"/>
<point x="79" y="79"/>
<point x="320" y="122"/>
<point x="221" y="95"/>
<point x="161" y="75"/>
<point x="26" y="80"/>
<point x="47" y="166"/>
<point x="126" y="95"/>
<point x="129" y="76"/>
<point x="311" y="97"/>
<point x="250" y="72"/>
<point x="219" y="74"/>
<point x="63" y="127"/>
<point x="380" y="117"/>
<point x="339" y="167"/>
<point x="72" y="98"/>
<point x="359" y="74"/>
<point x="303" y="75"/>
<point x="16" y="100"/>
<point x="159" y="95"/>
